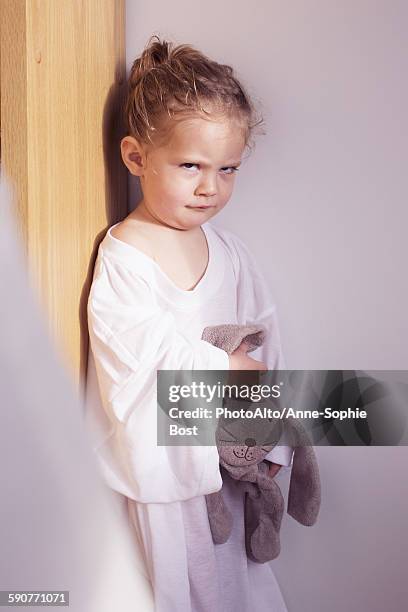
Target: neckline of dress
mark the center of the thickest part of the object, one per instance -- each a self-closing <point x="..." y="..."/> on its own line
<point x="125" y="246"/>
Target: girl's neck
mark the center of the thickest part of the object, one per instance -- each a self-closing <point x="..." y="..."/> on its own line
<point x="141" y="213"/>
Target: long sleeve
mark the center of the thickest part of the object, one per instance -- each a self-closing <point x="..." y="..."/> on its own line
<point x="256" y="305"/>
<point x="130" y="338"/>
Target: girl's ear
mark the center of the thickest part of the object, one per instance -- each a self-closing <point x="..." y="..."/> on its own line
<point x="133" y="155"/>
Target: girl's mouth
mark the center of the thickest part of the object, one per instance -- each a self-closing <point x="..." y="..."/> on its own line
<point x="200" y="207"/>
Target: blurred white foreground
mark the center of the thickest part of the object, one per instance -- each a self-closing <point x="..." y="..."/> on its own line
<point x="60" y="527"/>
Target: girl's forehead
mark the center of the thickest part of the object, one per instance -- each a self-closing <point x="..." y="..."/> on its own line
<point x="224" y="136"/>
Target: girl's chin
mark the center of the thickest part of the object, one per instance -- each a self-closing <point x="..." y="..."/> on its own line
<point x="189" y="223"/>
<point x="188" y="218"/>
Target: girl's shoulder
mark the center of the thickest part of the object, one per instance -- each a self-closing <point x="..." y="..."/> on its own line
<point x="134" y="233"/>
<point x="233" y="244"/>
<point x="123" y="261"/>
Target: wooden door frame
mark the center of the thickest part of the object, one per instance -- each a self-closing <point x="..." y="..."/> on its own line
<point x="63" y="79"/>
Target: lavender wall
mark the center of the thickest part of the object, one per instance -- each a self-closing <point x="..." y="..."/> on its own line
<point x="322" y="202"/>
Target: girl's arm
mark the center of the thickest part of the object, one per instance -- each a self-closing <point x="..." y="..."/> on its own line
<point x="131" y="337"/>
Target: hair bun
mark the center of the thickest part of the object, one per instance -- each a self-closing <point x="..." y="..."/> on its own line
<point x="158" y="51"/>
<point x="155" y="53"/>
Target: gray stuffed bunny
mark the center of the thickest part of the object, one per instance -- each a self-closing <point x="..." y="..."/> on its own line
<point x="244" y="462"/>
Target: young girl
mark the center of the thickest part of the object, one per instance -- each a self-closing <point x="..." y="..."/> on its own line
<point x="161" y="276"/>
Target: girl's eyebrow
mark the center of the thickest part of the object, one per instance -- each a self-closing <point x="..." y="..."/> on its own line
<point x="205" y="165"/>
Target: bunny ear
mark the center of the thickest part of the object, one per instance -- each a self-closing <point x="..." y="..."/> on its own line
<point x="305" y="489"/>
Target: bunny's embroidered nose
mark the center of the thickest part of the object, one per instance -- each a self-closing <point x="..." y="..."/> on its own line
<point x="250" y="442"/>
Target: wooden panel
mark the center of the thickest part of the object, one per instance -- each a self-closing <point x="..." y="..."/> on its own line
<point x="63" y="107"/>
<point x="14" y="105"/>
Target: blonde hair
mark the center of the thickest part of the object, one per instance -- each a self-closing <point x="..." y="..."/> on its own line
<point x="169" y="83"/>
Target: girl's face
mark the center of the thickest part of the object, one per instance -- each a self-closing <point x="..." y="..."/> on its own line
<point x="196" y="168"/>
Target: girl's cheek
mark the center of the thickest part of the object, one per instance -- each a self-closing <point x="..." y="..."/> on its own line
<point x="169" y="187"/>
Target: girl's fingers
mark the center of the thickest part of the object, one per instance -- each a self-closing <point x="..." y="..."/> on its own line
<point x="244" y="346"/>
<point x="274" y="469"/>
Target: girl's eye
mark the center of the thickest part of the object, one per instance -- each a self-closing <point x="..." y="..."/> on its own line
<point x="232" y="168"/>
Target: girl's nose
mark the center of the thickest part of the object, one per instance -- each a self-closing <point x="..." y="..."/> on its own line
<point x="207" y="188"/>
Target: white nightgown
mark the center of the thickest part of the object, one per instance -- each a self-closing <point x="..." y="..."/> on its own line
<point x="140" y="321"/>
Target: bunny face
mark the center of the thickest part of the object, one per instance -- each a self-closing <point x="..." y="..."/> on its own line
<point x="246" y="454"/>
<point x="246" y="441"/>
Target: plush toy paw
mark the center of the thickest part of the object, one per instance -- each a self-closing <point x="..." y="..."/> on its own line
<point x="263" y="517"/>
<point x="220" y="518"/>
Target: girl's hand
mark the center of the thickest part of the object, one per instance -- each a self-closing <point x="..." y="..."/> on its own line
<point x="240" y="360"/>
<point x="273" y="469"/>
